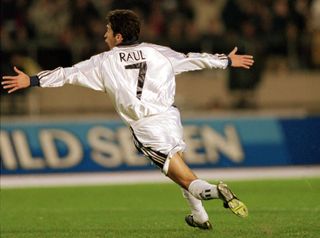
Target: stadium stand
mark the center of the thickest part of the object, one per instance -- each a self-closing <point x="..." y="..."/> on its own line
<point x="282" y="35"/>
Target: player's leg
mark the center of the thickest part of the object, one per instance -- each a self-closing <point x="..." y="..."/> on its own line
<point x="198" y="217"/>
<point x="180" y="173"/>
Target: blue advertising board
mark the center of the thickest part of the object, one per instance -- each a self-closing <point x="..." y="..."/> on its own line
<point x="89" y="146"/>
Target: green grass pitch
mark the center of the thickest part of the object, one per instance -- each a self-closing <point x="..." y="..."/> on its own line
<point x="277" y="208"/>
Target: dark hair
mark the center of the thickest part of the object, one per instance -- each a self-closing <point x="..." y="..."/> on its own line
<point x="125" y="22"/>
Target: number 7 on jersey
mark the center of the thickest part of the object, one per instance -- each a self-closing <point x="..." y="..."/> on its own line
<point x="141" y="76"/>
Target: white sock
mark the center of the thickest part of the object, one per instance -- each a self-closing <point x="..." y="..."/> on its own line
<point x="199" y="213"/>
<point x="203" y="190"/>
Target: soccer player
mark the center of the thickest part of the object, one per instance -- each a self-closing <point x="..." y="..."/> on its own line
<point x="140" y="80"/>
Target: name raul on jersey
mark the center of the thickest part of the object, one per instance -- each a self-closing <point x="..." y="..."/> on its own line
<point x="134" y="55"/>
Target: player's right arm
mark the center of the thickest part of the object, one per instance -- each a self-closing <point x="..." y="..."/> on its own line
<point x="86" y="73"/>
<point x="198" y="61"/>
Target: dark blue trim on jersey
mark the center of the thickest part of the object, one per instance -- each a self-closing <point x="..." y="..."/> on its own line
<point x="229" y="62"/>
<point x="34" y="81"/>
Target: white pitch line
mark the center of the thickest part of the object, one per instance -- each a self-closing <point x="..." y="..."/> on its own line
<point x="154" y="176"/>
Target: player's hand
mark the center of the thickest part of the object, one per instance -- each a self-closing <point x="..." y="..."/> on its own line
<point x="13" y="83"/>
<point x="243" y="61"/>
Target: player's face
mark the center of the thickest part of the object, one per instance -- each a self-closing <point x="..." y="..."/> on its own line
<point x="111" y="39"/>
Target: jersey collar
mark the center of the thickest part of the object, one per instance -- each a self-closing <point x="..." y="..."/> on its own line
<point x="128" y="43"/>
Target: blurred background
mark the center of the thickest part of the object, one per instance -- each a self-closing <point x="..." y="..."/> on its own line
<point x="266" y="116"/>
<point x="238" y="124"/>
<point x="283" y="36"/>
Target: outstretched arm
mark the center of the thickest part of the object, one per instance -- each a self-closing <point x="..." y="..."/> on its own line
<point x="14" y="83"/>
<point x="86" y="73"/>
<point x="198" y="61"/>
<point x="243" y="61"/>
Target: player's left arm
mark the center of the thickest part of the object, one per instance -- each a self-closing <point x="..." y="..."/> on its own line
<point x="17" y="82"/>
<point x="86" y="73"/>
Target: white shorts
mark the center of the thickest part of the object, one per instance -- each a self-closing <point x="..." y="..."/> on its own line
<point x="160" y="136"/>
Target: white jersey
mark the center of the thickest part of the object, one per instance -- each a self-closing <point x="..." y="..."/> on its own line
<point x="140" y="79"/>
